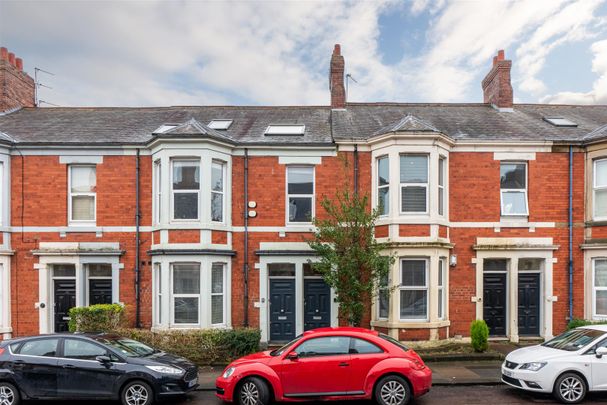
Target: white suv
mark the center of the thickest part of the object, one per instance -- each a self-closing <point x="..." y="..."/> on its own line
<point x="569" y="365"/>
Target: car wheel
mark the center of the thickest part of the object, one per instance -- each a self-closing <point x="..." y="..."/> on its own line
<point x="392" y="390"/>
<point x="253" y="391"/>
<point x="9" y="394"/>
<point x="137" y="393"/>
<point x="570" y="388"/>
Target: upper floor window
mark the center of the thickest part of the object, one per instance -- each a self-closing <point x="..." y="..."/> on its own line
<point x="217" y="190"/>
<point x="82" y="193"/>
<point x="158" y="191"/>
<point x="300" y="193"/>
<point x="599" y="290"/>
<point x="600" y="189"/>
<point x="414" y="184"/>
<point x="186" y="189"/>
<point x="441" y="185"/>
<point x="383" y="185"/>
<point x="513" y="188"/>
<point x="414" y="289"/>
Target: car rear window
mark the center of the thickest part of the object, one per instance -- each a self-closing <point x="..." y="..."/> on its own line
<point x="394" y="342"/>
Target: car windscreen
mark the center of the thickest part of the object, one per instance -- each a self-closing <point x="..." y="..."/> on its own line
<point x="574" y="339"/>
<point x="393" y="341"/>
<point x="281" y="350"/>
<point x="127" y="347"/>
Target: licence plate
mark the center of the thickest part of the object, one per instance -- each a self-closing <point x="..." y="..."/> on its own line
<point x="193" y="382"/>
<point x="507" y="373"/>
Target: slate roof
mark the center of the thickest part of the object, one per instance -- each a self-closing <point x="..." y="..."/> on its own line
<point x="135" y="126"/>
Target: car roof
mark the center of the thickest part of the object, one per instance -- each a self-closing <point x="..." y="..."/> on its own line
<point x="602" y="328"/>
<point x="90" y="335"/>
<point x="338" y="330"/>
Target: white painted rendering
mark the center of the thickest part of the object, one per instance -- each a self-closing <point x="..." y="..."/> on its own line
<point x="72" y="159"/>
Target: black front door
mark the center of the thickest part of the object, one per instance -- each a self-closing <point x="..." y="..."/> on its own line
<point x="65" y="298"/>
<point x="494" y="299"/>
<point x="529" y="304"/>
<point x="282" y="309"/>
<point x="317" y="304"/>
<point x="100" y="291"/>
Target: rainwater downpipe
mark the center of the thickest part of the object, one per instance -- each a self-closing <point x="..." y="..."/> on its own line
<point x="246" y="238"/>
<point x="137" y="242"/>
<point x="570" y="232"/>
<point x="355" y="169"/>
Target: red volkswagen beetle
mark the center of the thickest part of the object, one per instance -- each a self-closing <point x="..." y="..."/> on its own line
<point x="328" y="364"/>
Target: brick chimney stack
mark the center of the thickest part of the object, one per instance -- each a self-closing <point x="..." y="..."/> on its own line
<point x="336" y="79"/>
<point x="497" y="89"/>
<point x="16" y="86"/>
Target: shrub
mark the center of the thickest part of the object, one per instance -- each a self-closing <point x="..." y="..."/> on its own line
<point x="202" y="346"/>
<point x="479" y="334"/>
<point x="96" y="318"/>
<point x="576" y="323"/>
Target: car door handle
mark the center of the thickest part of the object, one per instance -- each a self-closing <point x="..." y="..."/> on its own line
<point x="68" y="366"/>
<point x="343" y="364"/>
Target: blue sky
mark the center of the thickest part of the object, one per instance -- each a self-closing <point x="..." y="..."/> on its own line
<point x="148" y="53"/>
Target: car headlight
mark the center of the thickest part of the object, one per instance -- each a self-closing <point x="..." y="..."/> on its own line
<point x="533" y="366"/>
<point x="229" y="372"/>
<point x="166" y="369"/>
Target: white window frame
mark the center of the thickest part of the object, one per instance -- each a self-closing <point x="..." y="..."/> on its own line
<point x="596" y="188"/>
<point x="157" y="291"/>
<point x="222" y="294"/>
<point x="312" y="196"/>
<point x="2" y="287"/>
<point x="222" y="192"/>
<point x="173" y="295"/>
<point x="1" y="204"/>
<point x="426" y="185"/>
<point x="385" y="186"/>
<point x="71" y="194"/>
<point x="442" y="195"/>
<point x="382" y="289"/>
<point x="192" y="191"/>
<point x="595" y="315"/>
<point x="442" y="274"/>
<point x="158" y="191"/>
<point x="515" y="190"/>
<point x="426" y="288"/>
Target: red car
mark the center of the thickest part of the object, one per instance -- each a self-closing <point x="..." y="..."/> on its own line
<point x="328" y="364"/>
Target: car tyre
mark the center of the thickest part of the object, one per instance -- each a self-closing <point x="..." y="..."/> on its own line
<point x="253" y="391"/>
<point x="392" y="390"/>
<point x="137" y="393"/>
<point x="9" y="394"/>
<point x="570" y="388"/>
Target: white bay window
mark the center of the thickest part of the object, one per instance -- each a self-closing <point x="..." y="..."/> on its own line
<point x="218" y="276"/>
<point x="600" y="189"/>
<point x="158" y="191"/>
<point x="186" y="293"/>
<point x="599" y="288"/>
<point x="414" y="289"/>
<point x="414" y="184"/>
<point x="383" y="185"/>
<point x="186" y="189"/>
<point x="217" y="190"/>
<point x="82" y="186"/>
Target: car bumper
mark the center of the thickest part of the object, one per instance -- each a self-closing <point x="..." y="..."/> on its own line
<point x="224" y="388"/>
<point x="421" y="380"/>
<point x="170" y="387"/>
<point x="536" y="381"/>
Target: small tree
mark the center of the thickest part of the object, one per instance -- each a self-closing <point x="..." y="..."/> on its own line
<point x="479" y="336"/>
<point x="350" y="258"/>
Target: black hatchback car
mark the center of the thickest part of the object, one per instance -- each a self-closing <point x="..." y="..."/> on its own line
<point x="91" y="366"/>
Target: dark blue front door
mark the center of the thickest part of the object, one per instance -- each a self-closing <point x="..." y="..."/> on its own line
<point x="282" y="309"/>
<point x="317" y="304"/>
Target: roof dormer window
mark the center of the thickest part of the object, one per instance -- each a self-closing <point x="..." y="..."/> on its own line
<point x="164" y="128"/>
<point x="560" y="122"/>
<point x="285" y="129"/>
<point x="221" y="125"/>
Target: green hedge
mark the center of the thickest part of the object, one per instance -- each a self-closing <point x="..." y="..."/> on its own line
<point x="479" y="335"/>
<point x="96" y="318"/>
<point x="576" y="323"/>
<point x="202" y="346"/>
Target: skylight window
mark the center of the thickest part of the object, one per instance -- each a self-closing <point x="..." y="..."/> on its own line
<point x="220" y="124"/>
<point x="164" y="128"/>
<point x="285" y="130"/>
<point x="560" y="122"/>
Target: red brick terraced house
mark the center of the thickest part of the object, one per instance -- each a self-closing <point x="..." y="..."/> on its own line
<point x="197" y="217"/>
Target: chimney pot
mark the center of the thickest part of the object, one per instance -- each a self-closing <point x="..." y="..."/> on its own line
<point x="11" y="58"/>
<point x="337" y="49"/>
<point x="500" y="54"/>
<point x="19" y="63"/>
<point x="3" y="53"/>
<point x="19" y="91"/>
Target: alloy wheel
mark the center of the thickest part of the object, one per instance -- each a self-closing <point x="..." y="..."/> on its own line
<point x="393" y="393"/>
<point x="136" y="394"/>
<point x="571" y="389"/>
<point x="249" y="394"/>
<point x="7" y="396"/>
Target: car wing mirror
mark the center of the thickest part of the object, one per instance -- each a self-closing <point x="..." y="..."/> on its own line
<point x="601" y="351"/>
<point x="103" y="359"/>
<point x="292" y="356"/>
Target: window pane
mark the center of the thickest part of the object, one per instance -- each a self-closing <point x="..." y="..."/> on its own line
<point x="441" y="292"/>
<point x="185" y="205"/>
<point x="601" y="303"/>
<point x="384" y="200"/>
<point x="301" y="180"/>
<point x="441" y="201"/>
<point x="82" y="350"/>
<point x="309" y="271"/>
<point x="600" y="203"/>
<point x="217" y="207"/>
<point x="413" y="273"/>
<point x="217" y="278"/>
<point x="64" y="270"/>
<point x="217" y="309"/>
<point x="413" y="199"/>
<point x="441" y="172"/>
<point x="100" y="270"/>
<point x="83" y="179"/>
<point x="186" y="309"/>
<point x="413" y="304"/>
<point x="530" y="264"/>
<point x="512" y="175"/>
<point x="186" y="279"/>
<point x="40" y="347"/>
<point x="186" y="175"/>
<point x="281" y="270"/>
<point x="601" y="173"/>
<point x="441" y="270"/>
<point x="413" y="169"/>
<point x="300" y="209"/>
<point x="600" y="273"/>
<point x="495" y="265"/>
<point x="324" y="346"/>
<point x="514" y="203"/>
<point x="360" y="346"/>
<point x="383" y="172"/>
<point x="83" y="208"/>
<point x="217" y="176"/>
<point x="383" y="302"/>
